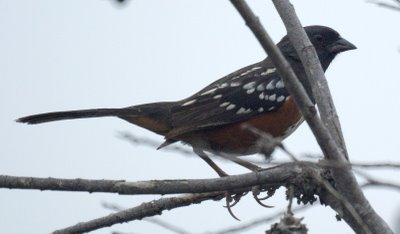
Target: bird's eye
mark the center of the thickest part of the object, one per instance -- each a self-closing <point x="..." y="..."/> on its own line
<point x="318" y="38"/>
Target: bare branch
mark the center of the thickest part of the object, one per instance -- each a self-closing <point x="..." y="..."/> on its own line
<point x="167" y="226"/>
<point x="158" y="222"/>
<point x="387" y="5"/>
<point x="281" y="175"/>
<point x="317" y="80"/>
<point x="375" y="182"/>
<point x="235" y="229"/>
<point x="377" y="165"/>
<point x="313" y="68"/>
<point x="274" y="176"/>
<point x="347" y="183"/>
<point x="147" y="209"/>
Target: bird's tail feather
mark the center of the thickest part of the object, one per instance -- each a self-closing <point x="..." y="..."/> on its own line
<point x="77" y="114"/>
<point x="153" y="116"/>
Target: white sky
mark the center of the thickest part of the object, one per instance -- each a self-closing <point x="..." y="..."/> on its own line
<point x="61" y="55"/>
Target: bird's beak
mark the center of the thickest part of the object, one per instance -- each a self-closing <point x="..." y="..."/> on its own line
<point x="341" y="45"/>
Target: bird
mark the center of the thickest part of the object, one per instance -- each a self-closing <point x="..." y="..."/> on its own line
<point x="212" y="119"/>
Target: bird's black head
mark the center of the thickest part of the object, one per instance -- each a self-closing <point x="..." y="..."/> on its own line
<point x="327" y="42"/>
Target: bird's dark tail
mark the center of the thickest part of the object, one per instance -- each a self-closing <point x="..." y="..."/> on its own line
<point x="154" y="116"/>
<point x="75" y="114"/>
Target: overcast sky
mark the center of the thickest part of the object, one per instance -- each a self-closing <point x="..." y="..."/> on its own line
<point x="71" y="54"/>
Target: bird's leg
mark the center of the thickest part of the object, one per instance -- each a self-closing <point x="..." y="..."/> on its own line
<point x="210" y="162"/>
<point x="248" y="165"/>
<point x="230" y="200"/>
<point x="256" y="190"/>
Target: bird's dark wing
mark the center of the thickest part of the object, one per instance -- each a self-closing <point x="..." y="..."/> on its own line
<point x="248" y="92"/>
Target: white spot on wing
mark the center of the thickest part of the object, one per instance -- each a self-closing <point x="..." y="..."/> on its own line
<point x="269" y="71"/>
<point x="271" y="108"/>
<point x="272" y="97"/>
<point x="279" y="84"/>
<point x="208" y="91"/>
<point x="240" y="111"/>
<point x="260" y="87"/>
<point x="249" y="85"/>
<point x="260" y="109"/>
<point x="224" y="104"/>
<point x="223" y="85"/>
<point x="235" y="84"/>
<point x="270" y="85"/>
<point x="250" y="91"/>
<point x="189" y="102"/>
<point x="249" y="71"/>
<point x="280" y="98"/>
<point x="217" y="96"/>
<point x="243" y="111"/>
<point x="230" y="107"/>
<point x="261" y="96"/>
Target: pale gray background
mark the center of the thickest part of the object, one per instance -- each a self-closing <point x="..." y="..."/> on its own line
<point x="71" y="54"/>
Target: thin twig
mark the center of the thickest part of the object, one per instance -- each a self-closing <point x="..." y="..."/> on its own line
<point x="158" y="222"/>
<point x="233" y="229"/>
<point x="147" y="209"/>
<point x="370" y="181"/>
<point x="377" y="165"/>
<point x="387" y="5"/>
<point x="376" y="183"/>
<point x="166" y="225"/>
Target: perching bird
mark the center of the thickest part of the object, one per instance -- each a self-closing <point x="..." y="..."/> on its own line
<point x="211" y="119"/>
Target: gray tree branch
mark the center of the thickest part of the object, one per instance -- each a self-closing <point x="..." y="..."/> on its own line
<point x="274" y="176"/>
<point x="157" y="206"/>
<point x="146" y="209"/>
<point x="345" y="179"/>
<point x="346" y="182"/>
<point x="233" y="229"/>
<point x="313" y="68"/>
